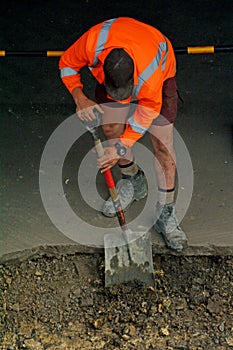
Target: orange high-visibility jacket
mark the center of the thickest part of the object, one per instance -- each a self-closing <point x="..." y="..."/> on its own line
<point x="154" y="62"/>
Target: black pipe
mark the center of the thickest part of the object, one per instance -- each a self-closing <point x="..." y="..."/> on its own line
<point x="203" y="49"/>
<point x="178" y="50"/>
<point x="45" y="53"/>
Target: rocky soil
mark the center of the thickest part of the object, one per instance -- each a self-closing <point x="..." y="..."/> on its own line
<point x="57" y="303"/>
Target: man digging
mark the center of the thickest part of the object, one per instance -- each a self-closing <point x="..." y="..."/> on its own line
<point x="132" y="62"/>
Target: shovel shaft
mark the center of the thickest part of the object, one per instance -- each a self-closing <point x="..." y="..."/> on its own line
<point x="112" y="188"/>
<point x="115" y="198"/>
<point x="99" y="148"/>
<point x="118" y="207"/>
<point x="93" y="129"/>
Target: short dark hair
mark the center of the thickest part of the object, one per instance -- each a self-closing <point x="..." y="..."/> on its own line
<point x="119" y="72"/>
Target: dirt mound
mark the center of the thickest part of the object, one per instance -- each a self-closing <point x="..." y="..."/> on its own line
<point x="57" y="303"/>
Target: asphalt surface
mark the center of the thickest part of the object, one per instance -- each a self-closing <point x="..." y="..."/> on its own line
<point x="34" y="103"/>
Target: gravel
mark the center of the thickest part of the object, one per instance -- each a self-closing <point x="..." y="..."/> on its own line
<point x="60" y="302"/>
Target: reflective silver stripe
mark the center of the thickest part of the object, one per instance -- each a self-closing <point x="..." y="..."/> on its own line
<point x="102" y="38"/>
<point x="67" y="71"/>
<point x="151" y="68"/>
<point x="165" y="57"/>
<point x="135" y="126"/>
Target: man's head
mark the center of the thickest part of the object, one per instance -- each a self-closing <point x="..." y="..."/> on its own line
<point x="119" y="72"/>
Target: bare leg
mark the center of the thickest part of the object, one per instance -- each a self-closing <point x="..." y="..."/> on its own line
<point x="166" y="221"/>
<point x="165" y="160"/>
<point x="113" y="126"/>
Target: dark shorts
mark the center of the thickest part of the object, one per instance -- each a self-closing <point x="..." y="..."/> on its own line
<point x="168" y="112"/>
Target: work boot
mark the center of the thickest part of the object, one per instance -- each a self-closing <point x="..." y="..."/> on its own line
<point x="167" y="224"/>
<point x="129" y="189"/>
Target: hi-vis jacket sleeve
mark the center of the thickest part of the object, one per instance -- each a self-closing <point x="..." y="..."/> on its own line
<point x="72" y="61"/>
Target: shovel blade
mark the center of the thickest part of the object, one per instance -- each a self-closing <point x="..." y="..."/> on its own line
<point x="131" y="261"/>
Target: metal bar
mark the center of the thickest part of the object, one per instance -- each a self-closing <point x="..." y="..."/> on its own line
<point x="178" y="50"/>
<point x="49" y="53"/>
<point x="203" y="49"/>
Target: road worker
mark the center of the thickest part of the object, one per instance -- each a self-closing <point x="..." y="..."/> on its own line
<point x="133" y="64"/>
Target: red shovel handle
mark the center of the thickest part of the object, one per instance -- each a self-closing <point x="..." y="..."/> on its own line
<point x="109" y="179"/>
<point x="112" y="188"/>
<point x="107" y="174"/>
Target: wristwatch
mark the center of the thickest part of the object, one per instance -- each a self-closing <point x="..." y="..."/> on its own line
<point x="121" y="150"/>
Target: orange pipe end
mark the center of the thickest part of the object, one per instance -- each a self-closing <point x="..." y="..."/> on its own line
<point x="54" y="53"/>
<point x="200" y="49"/>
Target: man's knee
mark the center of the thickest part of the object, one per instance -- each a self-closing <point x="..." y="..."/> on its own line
<point x="112" y="131"/>
<point x="114" y="120"/>
<point x="162" y="139"/>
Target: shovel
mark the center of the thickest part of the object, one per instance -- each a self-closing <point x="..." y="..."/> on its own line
<point x="128" y="256"/>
